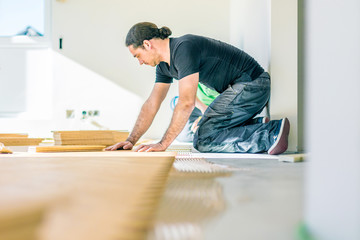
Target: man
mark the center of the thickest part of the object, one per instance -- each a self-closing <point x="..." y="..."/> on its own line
<point x="226" y="125"/>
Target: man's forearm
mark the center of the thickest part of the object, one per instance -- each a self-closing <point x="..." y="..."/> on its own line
<point x="143" y="122"/>
<point x="180" y="116"/>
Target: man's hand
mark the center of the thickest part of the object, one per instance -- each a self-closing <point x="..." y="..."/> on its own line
<point x="157" y="147"/>
<point x="120" y="146"/>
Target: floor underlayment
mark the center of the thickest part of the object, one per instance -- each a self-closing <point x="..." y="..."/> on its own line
<point x="230" y="196"/>
<point x="205" y="196"/>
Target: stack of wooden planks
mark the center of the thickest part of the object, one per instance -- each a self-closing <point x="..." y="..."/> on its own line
<point x="104" y="195"/>
<point x="19" y="139"/>
<point x="89" y="137"/>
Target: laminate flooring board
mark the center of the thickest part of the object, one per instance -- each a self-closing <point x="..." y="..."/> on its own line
<point x="24" y="135"/>
<point x="89" y="137"/>
<point x="71" y="148"/>
<point x="102" y="195"/>
<point x="20" y="141"/>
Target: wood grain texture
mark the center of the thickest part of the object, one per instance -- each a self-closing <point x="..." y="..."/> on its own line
<point x="71" y="148"/>
<point x="20" y="141"/>
<point x="89" y="137"/>
<point x="24" y="135"/>
<point x="82" y="195"/>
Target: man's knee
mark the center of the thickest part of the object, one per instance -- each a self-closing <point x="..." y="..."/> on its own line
<point x="198" y="145"/>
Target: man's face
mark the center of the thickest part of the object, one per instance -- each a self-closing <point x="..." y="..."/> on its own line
<point x="146" y="55"/>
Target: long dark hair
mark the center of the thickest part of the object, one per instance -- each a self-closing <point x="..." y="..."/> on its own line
<point x="145" y="31"/>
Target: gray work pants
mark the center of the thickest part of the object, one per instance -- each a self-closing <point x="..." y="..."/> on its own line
<point x="226" y="125"/>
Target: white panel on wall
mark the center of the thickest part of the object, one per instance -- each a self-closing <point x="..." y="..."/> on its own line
<point x="332" y="202"/>
<point x="12" y="81"/>
<point x="31" y="81"/>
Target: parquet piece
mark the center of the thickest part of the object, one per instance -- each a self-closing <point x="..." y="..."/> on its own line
<point x="24" y="135"/>
<point x="297" y="157"/>
<point x="20" y="141"/>
<point x="89" y="137"/>
<point x="71" y="148"/>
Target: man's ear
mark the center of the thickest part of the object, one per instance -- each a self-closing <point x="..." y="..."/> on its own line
<point x="147" y="44"/>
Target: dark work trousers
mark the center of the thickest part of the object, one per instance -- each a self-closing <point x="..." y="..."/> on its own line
<point x="226" y="125"/>
<point x="186" y="134"/>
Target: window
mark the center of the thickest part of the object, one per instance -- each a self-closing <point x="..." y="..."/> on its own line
<point x="24" y="22"/>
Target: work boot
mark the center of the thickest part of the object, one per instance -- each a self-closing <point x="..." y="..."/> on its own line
<point x="281" y="137"/>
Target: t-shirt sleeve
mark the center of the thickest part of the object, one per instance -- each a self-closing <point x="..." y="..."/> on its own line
<point x="161" y="77"/>
<point x="187" y="59"/>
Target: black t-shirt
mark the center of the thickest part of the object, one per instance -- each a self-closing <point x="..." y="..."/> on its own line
<point x="219" y="64"/>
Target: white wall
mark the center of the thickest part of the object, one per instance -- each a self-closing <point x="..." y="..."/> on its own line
<point x="332" y="204"/>
<point x="250" y="28"/>
<point x="78" y="88"/>
<point x="284" y="65"/>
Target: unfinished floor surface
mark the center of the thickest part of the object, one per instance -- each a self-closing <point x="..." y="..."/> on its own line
<point x="233" y="196"/>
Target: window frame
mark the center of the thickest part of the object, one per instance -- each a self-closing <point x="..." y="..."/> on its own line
<point x="32" y="41"/>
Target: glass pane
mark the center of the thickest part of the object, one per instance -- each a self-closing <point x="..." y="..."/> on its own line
<point x="21" y="17"/>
